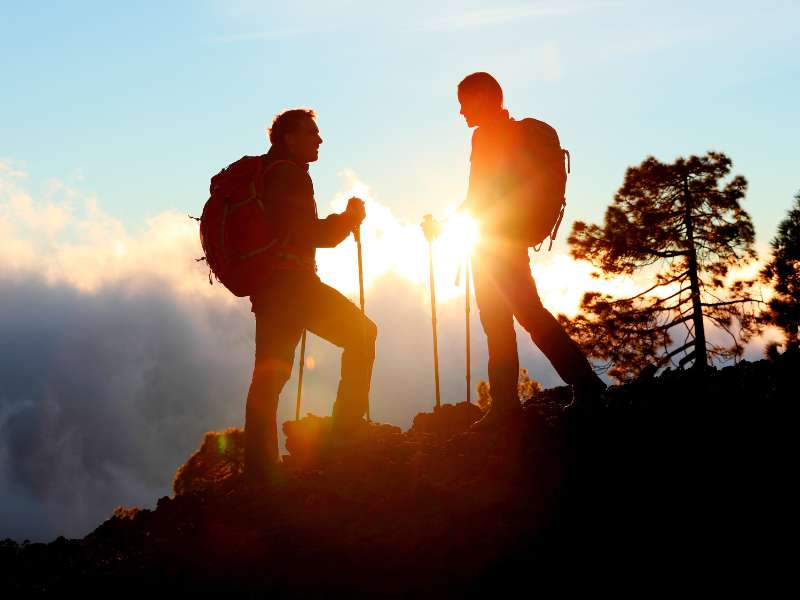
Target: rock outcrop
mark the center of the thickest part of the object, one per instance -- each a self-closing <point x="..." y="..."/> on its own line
<point x="670" y="473"/>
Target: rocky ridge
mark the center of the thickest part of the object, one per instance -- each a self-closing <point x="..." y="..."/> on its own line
<point x="669" y="472"/>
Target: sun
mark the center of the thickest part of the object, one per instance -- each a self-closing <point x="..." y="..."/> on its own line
<point x="459" y="236"/>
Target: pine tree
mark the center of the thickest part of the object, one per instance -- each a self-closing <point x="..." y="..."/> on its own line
<point x="681" y="226"/>
<point x="782" y="272"/>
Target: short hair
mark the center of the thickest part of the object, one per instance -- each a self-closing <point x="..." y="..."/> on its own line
<point x="288" y="122"/>
<point x="481" y="83"/>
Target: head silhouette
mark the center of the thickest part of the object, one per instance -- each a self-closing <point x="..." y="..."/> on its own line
<point x="481" y="99"/>
<point x="295" y="132"/>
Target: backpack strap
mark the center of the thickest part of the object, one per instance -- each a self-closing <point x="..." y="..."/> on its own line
<point x="554" y="232"/>
<point x="269" y="168"/>
<point x="259" y="176"/>
<point x="255" y="189"/>
<point x="284" y="254"/>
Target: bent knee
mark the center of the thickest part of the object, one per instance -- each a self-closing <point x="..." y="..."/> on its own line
<point x="367" y="338"/>
<point x="536" y="317"/>
<point x="363" y="336"/>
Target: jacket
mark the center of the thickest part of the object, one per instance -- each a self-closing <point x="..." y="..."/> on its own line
<point x="495" y="176"/>
<point x="289" y="194"/>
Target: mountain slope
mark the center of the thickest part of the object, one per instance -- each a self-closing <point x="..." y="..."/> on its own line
<point x="673" y="476"/>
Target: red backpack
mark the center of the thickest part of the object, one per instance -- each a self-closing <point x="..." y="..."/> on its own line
<point x="238" y="236"/>
<point x="542" y="209"/>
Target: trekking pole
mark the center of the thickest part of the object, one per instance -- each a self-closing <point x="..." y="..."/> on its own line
<point x="468" y="361"/>
<point x="431" y="229"/>
<point x="357" y="236"/>
<point x="467" y="311"/>
<point x="300" y="376"/>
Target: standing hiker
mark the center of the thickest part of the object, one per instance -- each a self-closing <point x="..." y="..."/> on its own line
<point x="290" y="297"/>
<point x="504" y="180"/>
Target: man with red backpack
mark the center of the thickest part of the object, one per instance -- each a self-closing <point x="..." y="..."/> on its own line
<point x="516" y="193"/>
<point x="270" y="256"/>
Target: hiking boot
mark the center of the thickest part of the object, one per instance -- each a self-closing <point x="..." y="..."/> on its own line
<point x="498" y="417"/>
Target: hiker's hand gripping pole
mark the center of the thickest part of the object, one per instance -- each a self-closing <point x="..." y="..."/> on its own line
<point x="356" y="206"/>
<point x="431" y="229"/>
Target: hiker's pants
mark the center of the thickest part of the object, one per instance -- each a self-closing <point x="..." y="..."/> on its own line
<point x="504" y="289"/>
<point x="292" y="302"/>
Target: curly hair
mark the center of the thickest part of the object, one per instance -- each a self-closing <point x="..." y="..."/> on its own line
<point x="287" y="122"/>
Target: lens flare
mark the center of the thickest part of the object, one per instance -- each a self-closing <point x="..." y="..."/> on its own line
<point x="460" y="234"/>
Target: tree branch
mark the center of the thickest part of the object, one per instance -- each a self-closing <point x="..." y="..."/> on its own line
<point x="679" y="350"/>
<point x="640" y="294"/>
<point x="739" y="301"/>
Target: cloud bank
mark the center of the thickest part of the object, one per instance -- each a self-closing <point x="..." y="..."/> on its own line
<point x="117" y="355"/>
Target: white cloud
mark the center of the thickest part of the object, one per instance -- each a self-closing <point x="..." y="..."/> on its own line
<point x="498" y="15"/>
<point x="68" y="238"/>
<point x="116" y="355"/>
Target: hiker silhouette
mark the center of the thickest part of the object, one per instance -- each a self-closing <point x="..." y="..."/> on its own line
<point x="510" y="186"/>
<point x="287" y="295"/>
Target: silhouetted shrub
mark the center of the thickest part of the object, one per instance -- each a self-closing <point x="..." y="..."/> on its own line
<point x="220" y="455"/>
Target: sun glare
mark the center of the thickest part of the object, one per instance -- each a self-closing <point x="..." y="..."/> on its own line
<point x="459" y="235"/>
<point x="397" y="247"/>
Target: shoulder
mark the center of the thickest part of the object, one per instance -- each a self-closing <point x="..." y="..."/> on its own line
<point x="285" y="168"/>
<point x="538" y="133"/>
<point x="532" y="125"/>
<point x="285" y="173"/>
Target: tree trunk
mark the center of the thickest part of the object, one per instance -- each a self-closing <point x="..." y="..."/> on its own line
<point x="700" y="358"/>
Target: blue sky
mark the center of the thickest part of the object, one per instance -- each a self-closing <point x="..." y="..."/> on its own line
<point x="141" y="103"/>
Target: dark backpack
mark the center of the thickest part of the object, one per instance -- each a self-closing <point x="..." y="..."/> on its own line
<point x="237" y="234"/>
<point x="542" y="180"/>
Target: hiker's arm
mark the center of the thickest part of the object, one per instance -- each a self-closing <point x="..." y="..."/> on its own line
<point x="332" y="230"/>
<point x="298" y="210"/>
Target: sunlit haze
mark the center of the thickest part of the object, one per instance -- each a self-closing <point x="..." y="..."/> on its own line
<point x="116" y="355"/>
